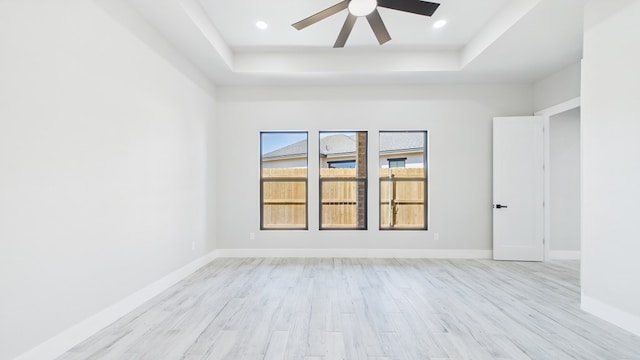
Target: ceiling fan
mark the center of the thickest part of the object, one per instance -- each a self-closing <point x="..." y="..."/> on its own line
<point x="368" y="9"/>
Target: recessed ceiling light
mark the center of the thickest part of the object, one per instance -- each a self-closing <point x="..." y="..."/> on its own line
<point x="262" y="25"/>
<point x="440" y="23"/>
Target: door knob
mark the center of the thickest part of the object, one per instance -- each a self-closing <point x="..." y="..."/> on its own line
<point x="500" y="206"/>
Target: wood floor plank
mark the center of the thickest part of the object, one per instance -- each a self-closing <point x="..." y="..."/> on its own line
<point x="277" y="347"/>
<point x="341" y="308"/>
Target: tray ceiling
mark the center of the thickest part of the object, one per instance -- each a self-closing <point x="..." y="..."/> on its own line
<point x="483" y="41"/>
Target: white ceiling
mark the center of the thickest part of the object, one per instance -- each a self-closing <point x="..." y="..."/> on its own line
<point x="483" y="41"/>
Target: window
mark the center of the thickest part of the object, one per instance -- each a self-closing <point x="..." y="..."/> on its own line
<point x="343" y="180"/>
<point x="347" y="164"/>
<point x="397" y="163"/>
<point x="283" y="180"/>
<point x="403" y="180"/>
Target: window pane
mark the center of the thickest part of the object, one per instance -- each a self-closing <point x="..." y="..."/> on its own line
<point x="283" y="180"/>
<point x="286" y="151"/>
<point x="403" y="180"/>
<point x="342" y="164"/>
<point x="407" y="204"/>
<point x="284" y="204"/>
<point x="343" y="180"/>
<point x="339" y="204"/>
<point x="397" y="163"/>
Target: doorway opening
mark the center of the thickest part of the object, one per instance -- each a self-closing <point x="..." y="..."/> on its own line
<point x="562" y="181"/>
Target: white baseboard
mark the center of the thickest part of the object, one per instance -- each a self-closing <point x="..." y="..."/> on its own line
<point x="620" y="318"/>
<point x="357" y="253"/>
<point x="564" y="255"/>
<point x="73" y="336"/>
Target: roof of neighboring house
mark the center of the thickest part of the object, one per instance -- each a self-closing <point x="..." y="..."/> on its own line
<point x="341" y="144"/>
<point x="398" y="142"/>
<point x="297" y="149"/>
<point x="338" y="144"/>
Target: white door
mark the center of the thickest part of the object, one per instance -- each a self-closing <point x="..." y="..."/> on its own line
<point x="518" y="188"/>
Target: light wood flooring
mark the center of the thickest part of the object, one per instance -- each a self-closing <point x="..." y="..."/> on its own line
<point x="314" y="309"/>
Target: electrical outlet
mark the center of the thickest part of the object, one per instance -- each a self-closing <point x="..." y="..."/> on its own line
<point x="252" y="236"/>
<point x="436" y="236"/>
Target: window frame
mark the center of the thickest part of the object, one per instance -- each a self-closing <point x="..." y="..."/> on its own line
<point x="264" y="180"/>
<point x="424" y="179"/>
<point x="364" y="182"/>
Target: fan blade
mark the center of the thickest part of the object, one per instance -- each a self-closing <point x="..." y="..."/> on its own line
<point x="378" y="27"/>
<point x="346" y="31"/>
<point x="413" y="6"/>
<point x="321" y="15"/>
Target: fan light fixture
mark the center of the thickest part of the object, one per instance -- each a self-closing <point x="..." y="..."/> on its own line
<point x="362" y="7"/>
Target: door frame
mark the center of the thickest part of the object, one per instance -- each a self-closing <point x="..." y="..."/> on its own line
<point x="546" y="126"/>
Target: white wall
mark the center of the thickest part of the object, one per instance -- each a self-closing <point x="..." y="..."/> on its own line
<point x="564" y="141"/>
<point x="459" y="121"/>
<point x="557" y="88"/>
<point x="103" y="164"/>
<point x="611" y="166"/>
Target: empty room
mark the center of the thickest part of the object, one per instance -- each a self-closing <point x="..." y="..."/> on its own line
<point x="319" y="179"/>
